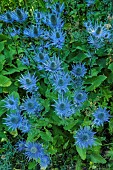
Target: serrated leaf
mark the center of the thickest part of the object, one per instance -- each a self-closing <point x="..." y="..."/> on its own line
<point x="4" y="81"/>
<point x="81" y="152"/>
<point x="96" y="158"/>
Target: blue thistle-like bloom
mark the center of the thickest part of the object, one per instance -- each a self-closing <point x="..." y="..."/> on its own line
<point x="90" y="2"/>
<point x="85" y="137"/>
<point x="95" y="42"/>
<point x="57" y="38"/>
<point x="25" y="126"/>
<point x="60" y="81"/>
<point x="53" y="21"/>
<point x="30" y="105"/>
<point x="41" y="56"/>
<point x="78" y="70"/>
<point x="63" y="107"/>
<point x="97" y="30"/>
<point x="28" y="82"/>
<point x="38" y="16"/>
<point x="20" y="145"/>
<point x="80" y="96"/>
<point x="20" y="15"/>
<point x="33" y="32"/>
<point x="14" y="32"/>
<point x="100" y="31"/>
<point x="7" y="17"/>
<point x="101" y="115"/>
<point x="57" y="8"/>
<point x="25" y="61"/>
<point x="44" y="161"/>
<point x="13" y="120"/>
<point x="11" y="103"/>
<point x="33" y="150"/>
<point x="53" y="64"/>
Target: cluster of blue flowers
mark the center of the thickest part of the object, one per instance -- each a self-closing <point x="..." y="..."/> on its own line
<point x="33" y="151"/>
<point x="50" y="66"/>
<point x="98" y="34"/>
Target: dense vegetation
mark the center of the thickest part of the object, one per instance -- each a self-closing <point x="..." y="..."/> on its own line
<point x="56" y="85"/>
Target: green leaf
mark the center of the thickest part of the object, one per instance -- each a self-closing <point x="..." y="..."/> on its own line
<point x="4" y="81"/>
<point x="2" y="109"/>
<point x="78" y="164"/>
<point x="47" y="136"/>
<point x="81" y="152"/>
<point x="97" y="81"/>
<point x="2" y="45"/>
<point x="111" y="67"/>
<point x="96" y="158"/>
<point x="32" y="165"/>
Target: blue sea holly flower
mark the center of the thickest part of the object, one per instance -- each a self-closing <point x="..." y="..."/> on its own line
<point x="84" y="137"/>
<point x="41" y="56"/>
<point x="33" y="32"/>
<point x="20" y="15"/>
<point x="57" y="8"/>
<point x="13" y="120"/>
<point x="20" y="145"/>
<point x="100" y="31"/>
<point x="33" y="150"/>
<point x="78" y="70"/>
<point x="63" y="107"/>
<point x="57" y="38"/>
<point x="95" y="42"/>
<point x="30" y="105"/>
<point x="53" y="64"/>
<point x="28" y="82"/>
<point x="7" y="17"/>
<point x="25" y="126"/>
<point x="60" y="81"/>
<point x="11" y="103"/>
<point x="15" y="32"/>
<point x="101" y="115"/>
<point x="44" y="161"/>
<point x="25" y="61"/>
<point x="38" y="16"/>
<point x="53" y="21"/>
<point x="80" y="96"/>
<point x="90" y="2"/>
